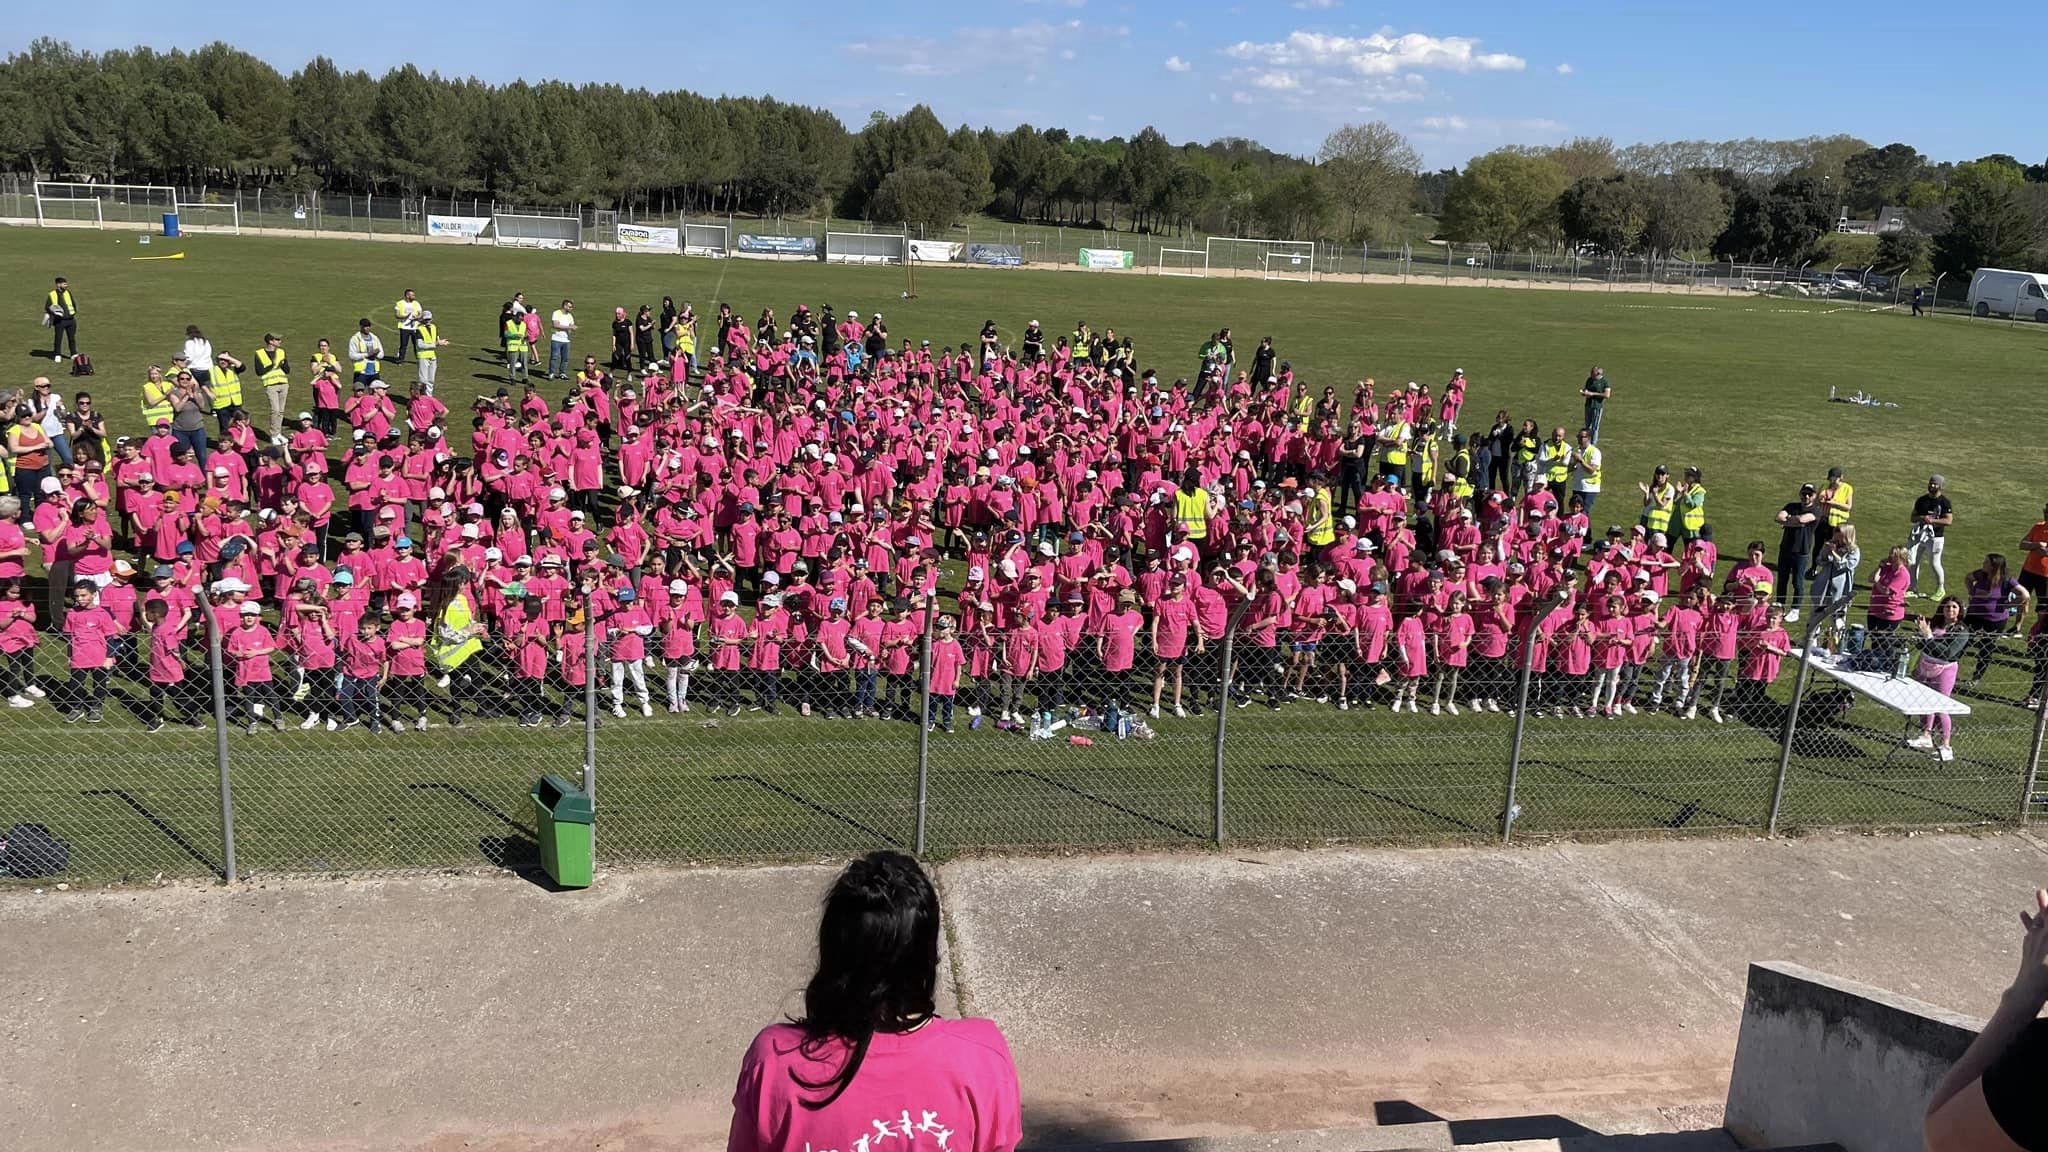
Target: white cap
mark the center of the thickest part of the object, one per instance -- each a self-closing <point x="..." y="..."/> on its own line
<point x="50" y="486"/>
<point x="1045" y="548"/>
<point x="729" y="598"/>
<point x="408" y="600"/>
<point x="557" y="493"/>
<point x="771" y="577"/>
<point x="252" y="609"/>
<point x="494" y="554"/>
<point x="469" y="532"/>
<point x="678" y="588"/>
<point x="437" y="493"/>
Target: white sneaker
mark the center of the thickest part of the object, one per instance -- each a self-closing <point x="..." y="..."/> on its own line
<point x="36" y="692"/>
<point x="973" y="711"/>
<point x="646" y="709"/>
<point x="20" y="702"/>
<point x="1715" y="715"/>
<point x="1343" y="705"/>
<point x="619" y="710"/>
<point x="685" y="707"/>
<point x="441" y="681"/>
<point x="1792" y="617"/>
<point x="311" y="722"/>
<point x="1153" y="711"/>
<point x="1453" y="706"/>
<point x="1923" y="740"/>
<point x="332" y="724"/>
<point x="397" y="729"/>
<point x="1629" y="706"/>
<point x="421" y="726"/>
<point x="1436" y="709"/>
<point x="1492" y="705"/>
<point x="1179" y="711"/>
<point x="1692" y="713"/>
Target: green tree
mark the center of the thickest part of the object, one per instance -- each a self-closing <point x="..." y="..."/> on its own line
<point x="330" y="118"/>
<point x="1611" y="211"/>
<point x="1989" y="226"/>
<point x="926" y="199"/>
<point x="1370" y="169"/>
<point x="1686" y="213"/>
<point x="1876" y="177"/>
<point x="1505" y="199"/>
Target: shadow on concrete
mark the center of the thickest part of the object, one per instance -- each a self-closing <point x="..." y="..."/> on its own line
<point x="1488" y="1131"/>
<point x="1047" y="1128"/>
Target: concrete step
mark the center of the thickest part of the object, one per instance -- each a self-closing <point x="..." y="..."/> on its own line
<point x="1700" y="1140"/>
<point x="1427" y="1136"/>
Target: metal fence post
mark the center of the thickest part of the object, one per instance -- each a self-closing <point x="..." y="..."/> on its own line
<point x="220" y="741"/>
<point x="1791" y="729"/>
<point x="590" y="713"/>
<point x="1508" y="809"/>
<point x="924" y="719"/>
<point x="1223" y="713"/>
<point x="2033" y="777"/>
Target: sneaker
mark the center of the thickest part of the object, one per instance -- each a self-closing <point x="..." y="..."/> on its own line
<point x="1435" y="709"/>
<point x="686" y="705"/>
<point x="947" y="728"/>
<point x="1177" y="711"/>
<point x="619" y="710"/>
<point x="36" y="692"/>
<point x="396" y="729"/>
<point x="1453" y="706"/>
<point x="1923" y="740"/>
<point x="441" y="681"/>
<point x="331" y="725"/>
<point x="646" y="709"/>
<point x="72" y="717"/>
<point x="804" y="709"/>
<point x="562" y="721"/>
<point x="93" y="716"/>
<point x="1244" y="702"/>
<point x="1492" y="705"/>
<point x="20" y="702"/>
<point x="1629" y="706"/>
<point x="1153" y="711"/>
<point x="1792" y="617"/>
<point x="154" y="726"/>
<point x="276" y="721"/>
<point x="974" y="721"/>
<point x="311" y="722"/>
<point x="974" y="713"/>
<point x="1578" y="713"/>
<point x="249" y="731"/>
<point x="1343" y="705"/>
<point x="1714" y="714"/>
<point x="753" y="707"/>
<point x="1692" y="713"/>
<point x="422" y="725"/>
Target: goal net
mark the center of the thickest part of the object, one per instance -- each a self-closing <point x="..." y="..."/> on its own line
<point x="1296" y="266"/>
<point x="1239" y="256"/>
<point x="225" y="218"/>
<point x="515" y="230"/>
<point x="60" y="204"/>
<point x="1183" y="262"/>
<point x="706" y="240"/>
<point x="865" y="248"/>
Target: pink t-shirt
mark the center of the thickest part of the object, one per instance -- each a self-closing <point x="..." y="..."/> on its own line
<point x="950" y="1086"/>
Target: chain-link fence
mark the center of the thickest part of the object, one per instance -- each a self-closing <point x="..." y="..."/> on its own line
<point x="770" y="732"/>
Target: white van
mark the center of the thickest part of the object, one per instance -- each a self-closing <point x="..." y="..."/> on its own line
<point x="2019" y="294"/>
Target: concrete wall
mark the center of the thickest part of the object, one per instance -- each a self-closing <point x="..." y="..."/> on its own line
<point x="1826" y="1060"/>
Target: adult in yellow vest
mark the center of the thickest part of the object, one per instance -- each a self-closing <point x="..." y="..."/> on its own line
<point x="1394" y="437"/>
<point x="515" y="349"/>
<point x="61" y="312"/>
<point x="274" y="372"/>
<point x="156" y="397"/>
<point x="1191" y="508"/>
<point x="1838" y="496"/>
<point x="1528" y="446"/>
<point x="1692" y="505"/>
<point x="1660" y="496"/>
<point x="428" y="340"/>
<point x="457" y="636"/>
<point x="1555" y="460"/>
<point x="227" y="390"/>
<point x="365" y="353"/>
<point x="408" y="312"/>
<point x="1458" y="469"/>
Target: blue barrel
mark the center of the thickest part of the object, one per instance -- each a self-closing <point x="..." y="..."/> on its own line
<point x="171" y="225"/>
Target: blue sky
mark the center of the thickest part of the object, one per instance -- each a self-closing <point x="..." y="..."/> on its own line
<point x="1459" y="80"/>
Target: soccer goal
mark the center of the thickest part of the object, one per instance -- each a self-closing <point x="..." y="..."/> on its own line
<point x="1240" y="256"/>
<point x="865" y="248"/>
<point x="706" y="240"/>
<point x="1183" y="262"/>
<point x="61" y="205"/>
<point x="1294" y="266"/>
<point x="199" y="217"/>
<point x="516" y="230"/>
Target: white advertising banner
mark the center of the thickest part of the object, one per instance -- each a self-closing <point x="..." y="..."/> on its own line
<point x="1107" y="258"/>
<point x="469" y="226"/>
<point x="643" y="236"/>
<point x="934" y="251"/>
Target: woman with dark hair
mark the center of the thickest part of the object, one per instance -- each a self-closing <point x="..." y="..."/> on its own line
<point x="1995" y="599"/>
<point x="870" y="1059"/>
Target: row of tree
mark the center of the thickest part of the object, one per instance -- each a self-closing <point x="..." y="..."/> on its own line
<point x="221" y="116"/>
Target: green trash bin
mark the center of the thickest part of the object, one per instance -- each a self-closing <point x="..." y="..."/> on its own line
<point x="563" y="814"/>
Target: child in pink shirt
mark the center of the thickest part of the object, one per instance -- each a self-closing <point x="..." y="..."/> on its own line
<point x="947" y="660"/>
<point x="251" y="646"/>
<point x="1411" y="660"/>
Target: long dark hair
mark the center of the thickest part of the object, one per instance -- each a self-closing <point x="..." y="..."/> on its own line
<point x="878" y="963"/>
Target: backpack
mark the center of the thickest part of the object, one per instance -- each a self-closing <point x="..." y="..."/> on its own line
<point x="81" y="365"/>
<point x="30" y="850"/>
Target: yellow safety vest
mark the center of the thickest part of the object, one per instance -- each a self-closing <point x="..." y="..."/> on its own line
<point x="1461" y="474"/>
<point x="1846" y="493"/>
<point x="1191" y="509"/>
<point x="273" y="368"/>
<point x="449" y="654"/>
<point x="515" y="336"/>
<point x="319" y="361"/>
<point x="158" y="406"/>
<point x="1560" y="462"/>
<point x="403" y="310"/>
<point x="429" y="334"/>
<point x="1659" y="513"/>
<point x="1398" y="434"/>
<point x="62" y="300"/>
<point x="686" y="340"/>
<point x="227" y="388"/>
<point x="363" y="365"/>
<point x="1432" y="460"/>
<point x="1694" y="517"/>
<point x="1321" y="530"/>
<point x="1593" y="473"/>
<point x="1526" y="448"/>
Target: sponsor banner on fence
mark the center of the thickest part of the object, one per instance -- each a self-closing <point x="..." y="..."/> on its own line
<point x="779" y="245"/>
<point x="999" y="255"/>
<point x="471" y="226"/>
<point x="643" y="236"/>
<point x="934" y="251"/>
<point x="1107" y="258"/>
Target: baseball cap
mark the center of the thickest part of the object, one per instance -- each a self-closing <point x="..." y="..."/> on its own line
<point x="252" y="610"/>
<point x="408" y="600"/>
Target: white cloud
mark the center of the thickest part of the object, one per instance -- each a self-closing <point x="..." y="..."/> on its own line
<point x="1380" y="54"/>
<point x="1094" y="118"/>
<point x="1276" y="81"/>
<point x="1443" y="123"/>
<point x="965" y="49"/>
<point x="1176" y="64"/>
<point x="1318" y="5"/>
<point x="1564" y="69"/>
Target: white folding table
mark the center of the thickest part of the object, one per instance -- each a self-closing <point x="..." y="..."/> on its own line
<point x="1902" y="694"/>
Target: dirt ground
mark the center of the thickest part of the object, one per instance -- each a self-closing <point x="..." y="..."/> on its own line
<point x="1144" y="996"/>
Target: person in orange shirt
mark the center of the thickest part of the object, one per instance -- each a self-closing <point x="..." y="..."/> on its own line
<point x="2034" y="571"/>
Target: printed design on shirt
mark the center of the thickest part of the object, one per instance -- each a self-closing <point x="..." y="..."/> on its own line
<point x="901" y="1130"/>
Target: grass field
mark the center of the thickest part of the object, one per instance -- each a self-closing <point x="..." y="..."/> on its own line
<point x="1738" y="387"/>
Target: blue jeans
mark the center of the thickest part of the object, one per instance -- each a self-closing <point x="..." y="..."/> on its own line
<point x="1589" y="498"/>
<point x="863" y="689"/>
<point x="558" y="358"/>
<point x="61" y="442"/>
<point x="359" y="695"/>
<point x="195" y="440"/>
<point x="1593" y="411"/>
